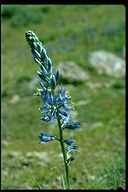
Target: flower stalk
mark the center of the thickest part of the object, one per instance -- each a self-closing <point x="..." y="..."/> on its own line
<point x="63" y="151"/>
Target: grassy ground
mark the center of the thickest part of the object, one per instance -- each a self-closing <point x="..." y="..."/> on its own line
<point x="68" y="32"/>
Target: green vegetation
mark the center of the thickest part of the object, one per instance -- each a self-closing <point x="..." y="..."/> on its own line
<point x="69" y="32"/>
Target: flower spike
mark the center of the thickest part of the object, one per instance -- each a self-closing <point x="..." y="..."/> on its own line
<point x="57" y="104"/>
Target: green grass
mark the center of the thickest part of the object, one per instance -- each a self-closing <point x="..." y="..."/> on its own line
<point x="69" y="32"/>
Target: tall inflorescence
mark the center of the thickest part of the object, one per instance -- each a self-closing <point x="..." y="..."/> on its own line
<point x="57" y="104"/>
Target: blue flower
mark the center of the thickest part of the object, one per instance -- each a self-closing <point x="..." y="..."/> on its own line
<point x="72" y="148"/>
<point x="65" y="117"/>
<point x="67" y="107"/>
<point x="49" y="108"/>
<point x="73" y="126"/>
<point x="53" y="82"/>
<point x="71" y="158"/>
<point x="42" y="76"/>
<point x="64" y="98"/>
<point x="69" y="141"/>
<point x="45" y="118"/>
<point x="53" y="104"/>
<point x="44" y="138"/>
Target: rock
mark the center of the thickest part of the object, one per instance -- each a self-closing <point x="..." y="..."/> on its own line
<point x="97" y="124"/>
<point x="72" y="73"/>
<point x="83" y="102"/>
<point x="15" y="99"/>
<point x="107" y="63"/>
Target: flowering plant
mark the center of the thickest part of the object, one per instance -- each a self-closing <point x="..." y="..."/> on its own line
<point x="56" y="103"/>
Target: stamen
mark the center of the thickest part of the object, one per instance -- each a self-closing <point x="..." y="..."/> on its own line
<point x="54" y="107"/>
<point x="72" y="105"/>
<point x="38" y="90"/>
<point x="68" y="94"/>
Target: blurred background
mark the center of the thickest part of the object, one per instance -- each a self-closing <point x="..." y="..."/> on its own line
<point x="87" y="42"/>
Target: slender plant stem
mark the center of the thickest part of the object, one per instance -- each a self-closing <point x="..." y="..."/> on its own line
<point x="63" y="151"/>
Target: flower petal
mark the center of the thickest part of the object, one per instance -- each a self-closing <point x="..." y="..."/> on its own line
<point x="74" y="126"/>
<point x="71" y="158"/>
<point x="69" y="141"/>
<point x="72" y="148"/>
<point x="45" y="118"/>
<point x="44" y="138"/>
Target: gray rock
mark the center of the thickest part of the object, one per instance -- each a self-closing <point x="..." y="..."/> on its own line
<point x="107" y="63"/>
<point x="72" y="73"/>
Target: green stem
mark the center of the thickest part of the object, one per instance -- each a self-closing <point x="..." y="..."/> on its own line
<point x="63" y="150"/>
